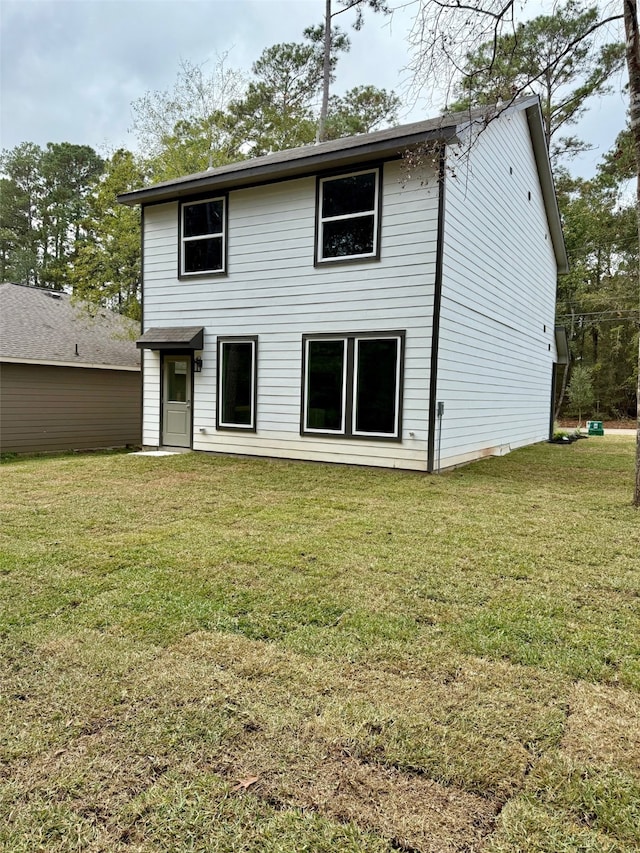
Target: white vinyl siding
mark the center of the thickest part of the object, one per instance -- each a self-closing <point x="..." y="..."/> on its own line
<point x="150" y="398"/>
<point x="498" y="299"/>
<point x="274" y="292"/>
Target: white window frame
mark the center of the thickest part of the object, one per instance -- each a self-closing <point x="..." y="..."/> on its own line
<point x="350" y="385"/>
<point x="343" y="423"/>
<point x="221" y="234"/>
<point x="251" y="426"/>
<point x="375" y="211"/>
<point x="396" y="420"/>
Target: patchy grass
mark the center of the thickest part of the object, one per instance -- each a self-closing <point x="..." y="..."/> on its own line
<point x="211" y="654"/>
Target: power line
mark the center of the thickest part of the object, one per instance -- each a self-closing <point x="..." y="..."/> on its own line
<point x="623" y="314"/>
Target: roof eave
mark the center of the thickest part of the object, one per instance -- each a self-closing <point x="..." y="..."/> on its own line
<point x="298" y="167"/>
<point x="541" y="153"/>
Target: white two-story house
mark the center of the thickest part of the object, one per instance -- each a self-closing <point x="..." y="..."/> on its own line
<point x="333" y="303"/>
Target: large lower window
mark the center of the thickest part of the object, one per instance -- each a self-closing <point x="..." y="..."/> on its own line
<point x="237" y="363"/>
<point x="203" y="237"/>
<point x="348" y="217"/>
<point x="352" y="385"/>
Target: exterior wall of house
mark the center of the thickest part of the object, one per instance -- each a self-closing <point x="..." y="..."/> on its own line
<point x="48" y="408"/>
<point x="496" y="343"/>
<point x="273" y="290"/>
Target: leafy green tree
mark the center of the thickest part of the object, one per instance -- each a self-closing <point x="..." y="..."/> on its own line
<point x="361" y="110"/>
<point x="597" y="300"/>
<point x="68" y="173"/>
<point x="106" y="269"/>
<point x="558" y="57"/>
<point x="183" y="130"/>
<point x="21" y="205"/>
<point x="189" y="148"/>
<point x="44" y="198"/>
<point x="279" y="108"/>
<point x="16" y="260"/>
<point x="277" y="111"/>
<point x="618" y="165"/>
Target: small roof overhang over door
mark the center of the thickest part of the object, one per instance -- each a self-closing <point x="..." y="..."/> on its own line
<point x="562" y="345"/>
<point x="174" y="338"/>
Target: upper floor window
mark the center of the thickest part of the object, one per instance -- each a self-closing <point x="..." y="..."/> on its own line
<point x="348" y="217"/>
<point x="203" y="237"/>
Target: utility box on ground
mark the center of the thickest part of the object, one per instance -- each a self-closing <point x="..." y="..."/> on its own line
<point x="595" y="428"/>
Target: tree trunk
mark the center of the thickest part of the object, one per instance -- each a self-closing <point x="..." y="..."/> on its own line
<point x="565" y="376"/>
<point x="633" y="65"/>
<point x="326" y="73"/>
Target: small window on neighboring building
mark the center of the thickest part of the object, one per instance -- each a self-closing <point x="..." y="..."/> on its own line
<point x="348" y="217"/>
<point x="237" y="363"/>
<point x="352" y="385"/>
<point x="203" y="237"/>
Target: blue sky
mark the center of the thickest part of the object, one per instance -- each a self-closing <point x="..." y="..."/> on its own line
<point x="71" y="68"/>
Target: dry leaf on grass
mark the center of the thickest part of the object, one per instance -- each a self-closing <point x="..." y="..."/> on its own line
<point x="245" y="783"/>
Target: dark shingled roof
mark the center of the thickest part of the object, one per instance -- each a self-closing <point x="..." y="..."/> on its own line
<point x="172" y="337"/>
<point x="46" y="326"/>
<point x="388" y="143"/>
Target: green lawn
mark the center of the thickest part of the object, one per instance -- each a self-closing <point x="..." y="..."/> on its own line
<point x="212" y="654"/>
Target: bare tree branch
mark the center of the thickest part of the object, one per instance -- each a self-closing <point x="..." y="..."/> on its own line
<point x="445" y="33"/>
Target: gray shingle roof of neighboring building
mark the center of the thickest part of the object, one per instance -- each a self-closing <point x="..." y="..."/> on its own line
<point x="45" y="326"/>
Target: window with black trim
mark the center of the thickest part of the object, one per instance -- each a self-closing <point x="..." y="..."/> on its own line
<point x="348" y="216"/>
<point x="237" y="372"/>
<point x="352" y="385"/>
<point x="202" y="228"/>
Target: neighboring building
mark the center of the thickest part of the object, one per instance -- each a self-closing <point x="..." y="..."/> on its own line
<point x="68" y="380"/>
<point x="331" y="303"/>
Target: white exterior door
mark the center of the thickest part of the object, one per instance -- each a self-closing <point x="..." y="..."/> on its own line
<point x="176" y="401"/>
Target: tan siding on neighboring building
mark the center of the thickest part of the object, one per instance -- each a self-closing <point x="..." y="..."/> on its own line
<point x="48" y="408"/>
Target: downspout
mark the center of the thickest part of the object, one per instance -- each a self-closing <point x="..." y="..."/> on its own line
<point x="141" y="324"/>
<point x="552" y="419"/>
<point x="435" y="326"/>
